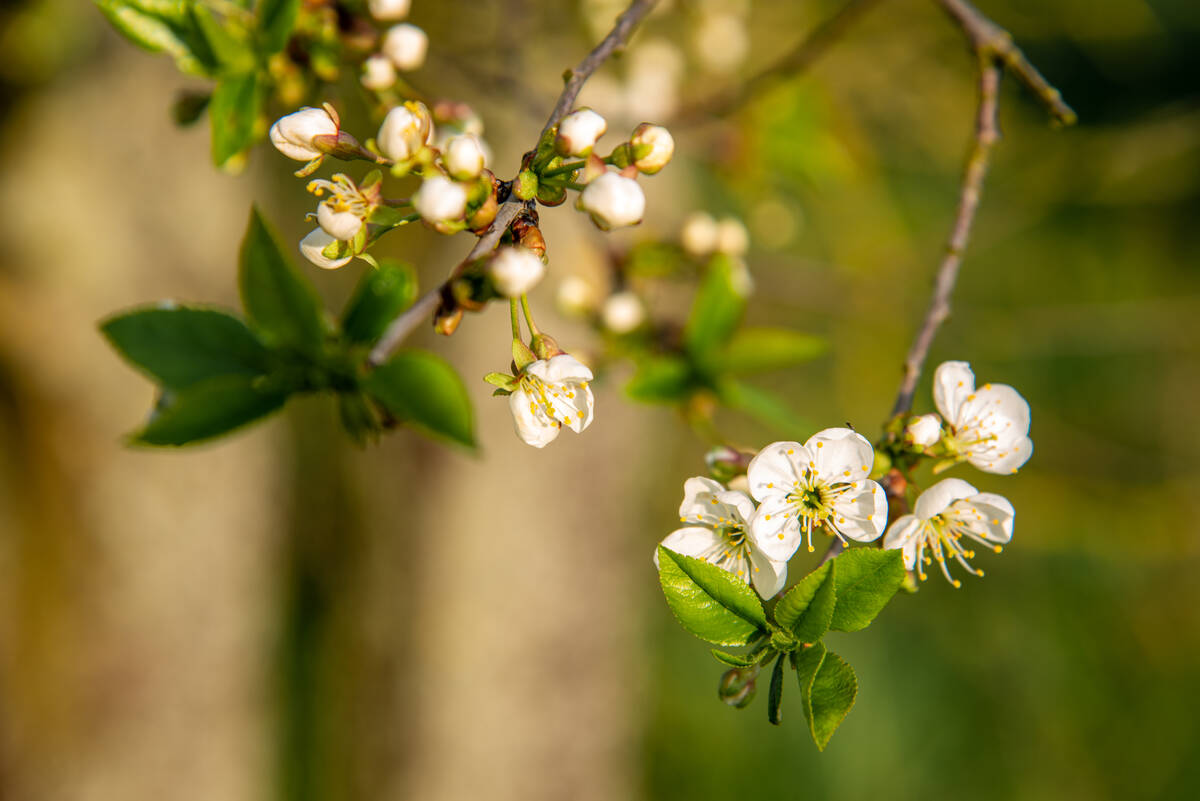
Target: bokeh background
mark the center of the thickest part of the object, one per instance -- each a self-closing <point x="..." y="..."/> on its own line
<point x="284" y="616"/>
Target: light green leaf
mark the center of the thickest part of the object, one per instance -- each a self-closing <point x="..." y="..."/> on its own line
<point x="232" y="112"/>
<point x="281" y="304"/>
<point x="709" y="602"/>
<point x="276" y="19"/>
<point x="382" y="293"/>
<point x="716" y="311"/>
<point x="736" y="660"/>
<point x="763" y="406"/>
<point x="182" y="346"/>
<point x="422" y="388"/>
<point x="775" y="695"/>
<point x="209" y="409"/>
<point x="867" y="578"/>
<point x="160" y="31"/>
<point x="233" y="53"/>
<point x="828" y="688"/>
<point x="661" y="380"/>
<point x="807" y="608"/>
<point x="757" y="349"/>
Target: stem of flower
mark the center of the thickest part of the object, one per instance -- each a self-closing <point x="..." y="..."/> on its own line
<point x="533" y="329"/>
<point x="564" y="169"/>
<point x="516" y="319"/>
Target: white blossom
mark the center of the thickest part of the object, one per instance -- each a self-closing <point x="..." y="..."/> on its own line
<point x="613" y="201"/>
<point x="660" y="142"/>
<point x="464" y="157"/>
<point x="313" y="245"/>
<point x="719" y="534"/>
<point x="405" y="44"/>
<point x="439" y="199"/>
<point x="820" y="484"/>
<point x="293" y="134"/>
<point x="623" y="312"/>
<point x="379" y="73"/>
<point x="578" y="132"/>
<point x="943" y="515"/>
<point x="988" y="427"/>
<point x="551" y="393"/>
<point x="699" y="234"/>
<point x="515" y="271"/>
<point x="925" y="430"/>
<point x="343" y="213"/>
<point x="388" y="10"/>
<point x="404" y="131"/>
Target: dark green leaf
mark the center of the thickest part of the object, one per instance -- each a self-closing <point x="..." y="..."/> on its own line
<point x="188" y="106"/>
<point x="421" y="388"/>
<point x="756" y="349"/>
<point x="232" y="113"/>
<point x="182" y="346"/>
<point x="807" y="609"/>
<point x="736" y="660"/>
<point x="867" y="578"/>
<point x="382" y="293"/>
<point x="716" y="311"/>
<point x="763" y="406"/>
<point x="709" y="602"/>
<point x="276" y="18"/>
<point x="775" y="695"/>
<point x="209" y="409"/>
<point x="280" y="303"/>
<point x="661" y="380"/>
<point x="828" y="687"/>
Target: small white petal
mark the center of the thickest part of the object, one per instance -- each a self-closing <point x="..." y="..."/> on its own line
<point x="861" y="514"/>
<point x="841" y="454"/>
<point x="773" y="470"/>
<point x="690" y="541"/>
<point x="343" y="225"/>
<point x="313" y="245"/>
<point x="903" y="535"/>
<point x="952" y="383"/>
<point x="774" y="532"/>
<point x="533" y="425"/>
<point x="767" y="575"/>
<point x="565" y="367"/>
<point x="988" y="516"/>
<point x="937" y="498"/>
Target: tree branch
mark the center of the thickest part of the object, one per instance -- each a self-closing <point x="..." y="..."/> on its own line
<point x="575" y="78"/>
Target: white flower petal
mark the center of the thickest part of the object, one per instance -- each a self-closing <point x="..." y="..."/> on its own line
<point x="690" y="541"/>
<point x="861" y="514"/>
<point x="739" y="502"/>
<point x="841" y="454"/>
<point x="988" y="516"/>
<point x="937" y="498"/>
<point x="903" y="534"/>
<point x="565" y="367"/>
<point x="1003" y="462"/>
<point x="533" y="425"/>
<point x="952" y="383"/>
<point x="775" y="468"/>
<point x="774" y="532"/>
<point x="767" y="575"/>
<point x="698" y="493"/>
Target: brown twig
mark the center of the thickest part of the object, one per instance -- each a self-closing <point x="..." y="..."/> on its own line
<point x="575" y="78"/>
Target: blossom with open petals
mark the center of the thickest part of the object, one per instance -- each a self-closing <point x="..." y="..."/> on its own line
<point x="820" y="484"/>
<point x="343" y="213"/>
<point x="551" y="393"/>
<point x="989" y="426"/>
<point x="942" y="517"/>
<point x="719" y="533"/>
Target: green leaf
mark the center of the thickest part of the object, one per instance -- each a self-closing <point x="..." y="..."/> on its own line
<point x="807" y="609"/>
<point x="763" y="406"/>
<point x="709" y="602"/>
<point x="281" y="304"/>
<point x="232" y="113"/>
<point x="276" y="19"/>
<point x="757" y="349"/>
<point x="209" y="409"/>
<point x="775" y="695"/>
<point x="716" y="311"/>
<point x="736" y="660"/>
<point x="661" y="380"/>
<point x="233" y="53"/>
<point x="867" y="578"/>
<point x="421" y="388"/>
<point x="382" y="293"/>
<point x="182" y="346"/>
<point x="161" y="28"/>
<point x="828" y="688"/>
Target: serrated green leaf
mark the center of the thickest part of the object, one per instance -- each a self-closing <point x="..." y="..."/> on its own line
<point x="661" y="380"/>
<point x="757" y="349"/>
<point x="276" y="19"/>
<point x="763" y="406"/>
<point x="716" y="311"/>
<point x="775" y="694"/>
<point x="382" y="293"/>
<point x="867" y="578"/>
<point x="807" y="608"/>
<point x="182" y="346"/>
<point x="281" y="304"/>
<point x="709" y="602"/>
<point x="828" y="688"/>
<point x="209" y="409"/>
<point x="736" y="660"/>
<point x="232" y="112"/>
<point x="422" y="388"/>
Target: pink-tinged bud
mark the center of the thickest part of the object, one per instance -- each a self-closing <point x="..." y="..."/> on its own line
<point x="463" y="157"/>
<point x="652" y="147"/>
<point x="404" y="131"/>
<point x="515" y="271"/>
<point x="388" y="10"/>
<point x="293" y="135"/>
<point x="440" y="200"/>
<point x="578" y="132"/>
<point x="379" y="73"/>
<point x="314" y="247"/>
<point x="405" y="45"/>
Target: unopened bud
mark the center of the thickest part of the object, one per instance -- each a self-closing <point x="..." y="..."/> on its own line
<point x="404" y="131"/>
<point x="925" y="430"/>
<point x="652" y="146"/>
<point x="545" y="347"/>
<point x="576" y="296"/>
<point x="578" y="132"/>
<point x="613" y="201"/>
<point x="725" y="463"/>
<point x="699" y="234"/>
<point x="378" y="73"/>
<point x="405" y="44"/>
<point x="732" y="237"/>
<point x="463" y="157"/>
<point x="515" y="271"/>
<point x="440" y="200"/>
<point x="388" y="10"/>
<point x="314" y="247"/>
<point x="293" y="134"/>
<point x="737" y="686"/>
<point x="623" y="312"/>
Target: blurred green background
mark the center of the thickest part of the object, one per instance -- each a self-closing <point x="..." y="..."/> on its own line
<point x="285" y="616"/>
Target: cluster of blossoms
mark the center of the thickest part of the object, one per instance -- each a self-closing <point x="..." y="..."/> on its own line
<point x="790" y="490"/>
<point x="403" y="46"/>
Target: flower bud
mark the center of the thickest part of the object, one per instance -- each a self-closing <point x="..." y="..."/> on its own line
<point x="463" y="157"/>
<point x="576" y="297"/>
<point x="439" y="199"/>
<point x="737" y="686"/>
<point x="578" y="132"/>
<point x="405" y="45"/>
<point x="613" y="201"/>
<point x="699" y="234"/>
<point x="386" y="10"/>
<point x="725" y="463"/>
<point x="623" y="312"/>
<point x="293" y="135"/>
<point x="313" y="245"/>
<point x="732" y="237"/>
<point x="379" y="73"/>
<point x="925" y="430"/>
<point x="515" y="271"/>
<point x="656" y="145"/>
<point x="404" y="131"/>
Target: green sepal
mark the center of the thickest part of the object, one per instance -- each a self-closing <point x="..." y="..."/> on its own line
<point x="807" y="608"/>
<point x="388" y="217"/>
<point x="382" y="294"/>
<point x="709" y="602"/>
<point x="866" y="580"/>
<point x="281" y="304"/>
<point x="775" y="694"/>
<point x="423" y="389"/>
<point x="502" y="380"/>
<point x="522" y="355"/>
<point x="525" y="187"/>
<point x="501" y="392"/>
<point x="736" y="660"/>
<point x="209" y="409"/>
<point x="828" y="688"/>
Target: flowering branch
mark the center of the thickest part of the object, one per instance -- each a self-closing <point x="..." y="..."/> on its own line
<point x="575" y="78"/>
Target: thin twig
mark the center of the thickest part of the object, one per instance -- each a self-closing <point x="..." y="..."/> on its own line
<point x="795" y="61"/>
<point x="408" y="321"/>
